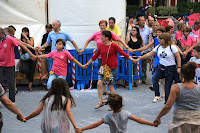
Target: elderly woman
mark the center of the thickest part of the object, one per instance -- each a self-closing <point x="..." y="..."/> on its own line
<point x="185" y="97"/>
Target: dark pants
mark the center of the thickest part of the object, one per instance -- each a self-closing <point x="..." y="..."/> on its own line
<point x="28" y="68"/>
<point x="10" y="77"/>
<point x="144" y="69"/>
<point x="169" y="73"/>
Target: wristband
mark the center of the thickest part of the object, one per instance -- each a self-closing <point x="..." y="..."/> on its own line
<point x="127" y="48"/>
<point x="178" y="67"/>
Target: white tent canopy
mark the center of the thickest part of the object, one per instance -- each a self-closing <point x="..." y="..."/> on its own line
<point x="79" y="18"/>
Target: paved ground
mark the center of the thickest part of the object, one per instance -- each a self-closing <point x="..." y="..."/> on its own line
<point x="138" y="101"/>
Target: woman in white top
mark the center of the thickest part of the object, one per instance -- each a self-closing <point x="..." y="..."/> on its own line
<point x="167" y="68"/>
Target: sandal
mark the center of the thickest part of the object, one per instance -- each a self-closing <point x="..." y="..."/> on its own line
<point x="98" y="106"/>
<point x="163" y="95"/>
<point x="156" y="99"/>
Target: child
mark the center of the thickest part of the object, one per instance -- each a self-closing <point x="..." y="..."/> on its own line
<point x="57" y="109"/>
<point x="196" y="58"/>
<point x="60" y="57"/>
<point x="117" y="120"/>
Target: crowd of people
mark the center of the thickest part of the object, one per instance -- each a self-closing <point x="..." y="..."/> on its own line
<point x="175" y="58"/>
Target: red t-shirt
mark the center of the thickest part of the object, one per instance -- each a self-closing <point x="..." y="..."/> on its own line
<point x="7" y="55"/>
<point x="112" y="56"/>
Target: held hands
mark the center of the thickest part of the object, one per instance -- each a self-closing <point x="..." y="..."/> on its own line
<point x="80" y="53"/>
<point x="33" y="57"/>
<point x="84" y="66"/>
<point x="78" y="130"/>
<point x="21" y="118"/>
<point x="156" y="122"/>
<point x="135" y="60"/>
<point x="38" y="48"/>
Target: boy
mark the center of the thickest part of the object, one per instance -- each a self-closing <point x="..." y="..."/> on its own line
<point x="196" y="58"/>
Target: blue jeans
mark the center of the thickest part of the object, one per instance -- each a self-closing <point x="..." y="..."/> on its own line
<point x="169" y="73"/>
<point x="49" y="63"/>
<point x="52" y="77"/>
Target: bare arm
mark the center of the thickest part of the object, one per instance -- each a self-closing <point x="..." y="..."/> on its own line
<point x="10" y="106"/>
<point x="127" y="39"/>
<point x="178" y="58"/>
<point x="86" y="44"/>
<point x="28" y="45"/>
<point x="43" y="46"/>
<point x="42" y="56"/>
<point x="142" y="121"/>
<point x="123" y="43"/>
<point x="33" y="57"/>
<point x="89" y="62"/>
<point x="94" y="125"/>
<point x="36" y="112"/>
<point x="76" y="47"/>
<point x="77" y="62"/>
<point x="69" y="113"/>
<point x="172" y="97"/>
<point x="147" y="55"/>
<point x="143" y="47"/>
<point x="30" y="41"/>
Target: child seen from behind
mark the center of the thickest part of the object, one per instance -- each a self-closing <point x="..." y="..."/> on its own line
<point x="56" y="106"/>
<point x="117" y="120"/>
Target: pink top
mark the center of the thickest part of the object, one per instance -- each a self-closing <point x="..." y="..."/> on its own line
<point x="97" y="37"/>
<point x="190" y="41"/>
<point x="60" y="61"/>
<point x="178" y="35"/>
<point x="7" y="55"/>
<point x="196" y="33"/>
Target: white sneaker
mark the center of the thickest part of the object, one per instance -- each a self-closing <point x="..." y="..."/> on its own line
<point x="156" y="99"/>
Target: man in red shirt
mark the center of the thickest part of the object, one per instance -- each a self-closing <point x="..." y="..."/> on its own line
<point x="108" y="52"/>
<point x="7" y="60"/>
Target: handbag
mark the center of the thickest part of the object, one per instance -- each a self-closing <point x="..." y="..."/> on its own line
<point x="106" y="69"/>
<point x="25" y="56"/>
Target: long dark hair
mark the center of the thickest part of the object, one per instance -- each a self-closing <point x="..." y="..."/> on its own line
<point x="25" y="29"/>
<point x="59" y="88"/>
<point x="138" y="36"/>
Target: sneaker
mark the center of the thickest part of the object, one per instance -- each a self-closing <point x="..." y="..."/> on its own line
<point x="156" y="99"/>
<point x="98" y="106"/>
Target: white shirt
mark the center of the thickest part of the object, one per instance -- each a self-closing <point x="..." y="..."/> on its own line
<point x="166" y="55"/>
<point x="198" y="68"/>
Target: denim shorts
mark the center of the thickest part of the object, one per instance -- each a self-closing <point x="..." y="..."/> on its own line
<point x="114" y="73"/>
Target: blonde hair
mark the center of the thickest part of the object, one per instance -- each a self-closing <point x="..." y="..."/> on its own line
<point x="156" y="22"/>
